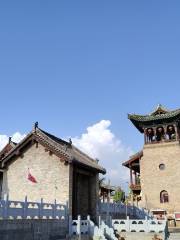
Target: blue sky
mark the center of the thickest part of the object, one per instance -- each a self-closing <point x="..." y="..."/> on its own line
<point x="71" y="64"/>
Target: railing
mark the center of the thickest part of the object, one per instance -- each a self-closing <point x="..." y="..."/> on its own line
<point x="153" y="225"/>
<point x="85" y="228"/>
<point x="108" y="230"/>
<point x="32" y="210"/>
<point x="162" y="141"/>
<point x="135" y="187"/>
<point x="120" y="208"/>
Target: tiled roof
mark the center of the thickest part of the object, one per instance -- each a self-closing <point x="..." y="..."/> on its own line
<point x="133" y="158"/>
<point x="160" y="115"/>
<point x="58" y="146"/>
<point x="7" y="148"/>
<point x="75" y="154"/>
<point x="144" y="118"/>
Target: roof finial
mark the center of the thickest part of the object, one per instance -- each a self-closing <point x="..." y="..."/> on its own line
<point x="70" y="141"/>
<point x="159" y="105"/>
<point x="35" y="125"/>
<point x="10" y="138"/>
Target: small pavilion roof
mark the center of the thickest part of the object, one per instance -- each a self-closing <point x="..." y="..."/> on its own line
<point x="133" y="158"/>
<point x="105" y="188"/>
<point x="158" y="116"/>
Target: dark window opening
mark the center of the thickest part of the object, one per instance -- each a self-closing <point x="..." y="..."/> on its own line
<point x="164" y="198"/>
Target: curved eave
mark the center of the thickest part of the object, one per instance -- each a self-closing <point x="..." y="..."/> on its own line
<point x="133" y="158"/>
<point x="144" y="120"/>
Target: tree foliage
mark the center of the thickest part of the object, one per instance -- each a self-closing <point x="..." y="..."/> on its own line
<point x="119" y="196"/>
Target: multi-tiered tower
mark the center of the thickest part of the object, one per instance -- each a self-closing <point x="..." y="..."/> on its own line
<point x="155" y="171"/>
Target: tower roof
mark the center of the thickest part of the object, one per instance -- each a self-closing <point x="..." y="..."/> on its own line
<point x="158" y="116"/>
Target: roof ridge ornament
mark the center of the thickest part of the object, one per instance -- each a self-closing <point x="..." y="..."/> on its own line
<point x="10" y="139"/>
<point x="70" y="141"/>
<point x="35" y="126"/>
<point x="160" y="109"/>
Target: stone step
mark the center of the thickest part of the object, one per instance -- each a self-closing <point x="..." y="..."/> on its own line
<point x="174" y="230"/>
<point x="174" y="236"/>
<point x="140" y="236"/>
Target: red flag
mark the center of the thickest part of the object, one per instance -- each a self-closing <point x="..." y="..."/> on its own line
<point x="31" y="178"/>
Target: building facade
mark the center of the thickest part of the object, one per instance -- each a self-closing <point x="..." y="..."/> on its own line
<point x="47" y="167"/>
<point x="155" y="171"/>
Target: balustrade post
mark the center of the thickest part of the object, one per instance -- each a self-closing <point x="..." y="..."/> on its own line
<point x="66" y="210"/>
<point x="79" y="227"/>
<point x="25" y="208"/>
<point x="70" y="225"/>
<point x="88" y="222"/>
<point x="147" y="224"/>
<point x="54" y="209"/>
<point x="41" y="208"/>
<point x="6" y="207"/>
<point x="110" y="221"/>
<point x="99" y="221"/>
<point x="128" y="224"/>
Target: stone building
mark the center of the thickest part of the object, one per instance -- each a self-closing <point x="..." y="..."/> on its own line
<point x="44" y="166"/>
<point x="155" y="171"/>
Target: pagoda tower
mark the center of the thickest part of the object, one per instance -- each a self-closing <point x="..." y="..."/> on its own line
<point x="155" y="171"/>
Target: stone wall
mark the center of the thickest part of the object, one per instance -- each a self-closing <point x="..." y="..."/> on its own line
<point x="52" y="177"/>
<point x="33" y="229"/>
<point x="154" y="180"/>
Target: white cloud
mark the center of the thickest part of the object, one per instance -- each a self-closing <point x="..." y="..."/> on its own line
<point x="100" y="142"/>
<point x="16" y="137"/>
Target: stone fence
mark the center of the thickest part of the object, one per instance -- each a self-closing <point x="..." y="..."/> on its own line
<point x="121" y="209"/>
<point x="138" y="225"/>
<point x="117" y="226"/>
<point x="32" y="210"/>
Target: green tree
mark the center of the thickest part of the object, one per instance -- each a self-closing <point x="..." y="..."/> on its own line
<point x="119" y="196"/>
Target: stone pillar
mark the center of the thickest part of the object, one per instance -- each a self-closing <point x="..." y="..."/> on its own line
<point x="166" y="129"/>
<point x="176" y="132"/>
<point x="130" y="175"/>
<point x="145" y="136"/>
<point x="135" y="178"/>
<point x="71" y="180"/>
<point x="165" y="132"/>
<point x="154" y="130"/>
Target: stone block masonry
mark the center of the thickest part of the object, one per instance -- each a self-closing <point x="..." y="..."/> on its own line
<point x="52" y="177"/>
<point x="154" y="180"/>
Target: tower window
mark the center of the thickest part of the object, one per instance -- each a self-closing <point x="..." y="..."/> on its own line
<point x="171" y="132"/>
<point x="159" y="134"/>
<point x="164" y="198"/>
<point x="162" y="166"/>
